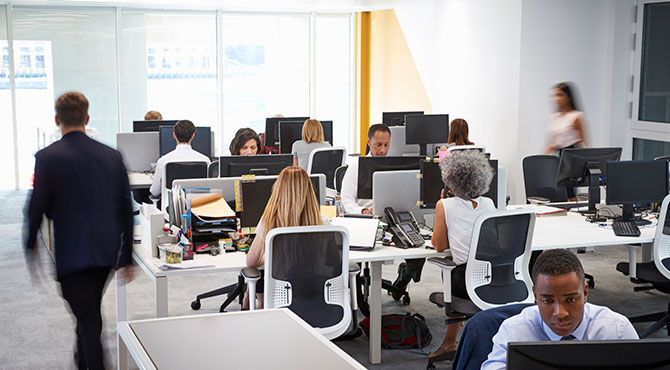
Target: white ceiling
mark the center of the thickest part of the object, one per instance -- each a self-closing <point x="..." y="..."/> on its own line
<point x="240" y="5"/>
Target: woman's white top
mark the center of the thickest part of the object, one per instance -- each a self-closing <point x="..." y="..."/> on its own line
<point x="460" y="217"/>
<point x="562" y="128"/>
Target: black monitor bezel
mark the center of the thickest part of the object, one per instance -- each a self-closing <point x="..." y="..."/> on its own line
<point x="578" y="176"/>
<point x="434" y="138"/>
<point x="272" y="128"/>
<point x="259" y="159"/>
<point x="492" y="193"/>
<point x="663" y="168"/>
<point x="286" y="149"/>
<point x="161" y="152"/>
<point x="152" y="125"/>
<point x="388" y="117"/>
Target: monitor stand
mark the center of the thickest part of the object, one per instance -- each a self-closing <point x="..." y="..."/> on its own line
<point x="628" y="214"/>
<point x="594" y="191"/>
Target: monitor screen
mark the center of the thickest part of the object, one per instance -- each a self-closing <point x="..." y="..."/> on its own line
<point x="291" y="131"/>
<point x="600" y="354"/>
<point x="431" y="184"/>
<point x="272" y="128"/>
<point x="427" y="129"/>
<point x="574" y="164"/>
<point x="368" y="165"/>
<point x="255" y="196"/>
<point x="144" y="126"/>
<point x="636" y="182"/>
<point x="262" y="164"/>
<point x="397" y="118"/>
<point x="202" y="141"/>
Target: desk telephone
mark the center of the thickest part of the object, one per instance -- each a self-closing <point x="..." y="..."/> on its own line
<point x="404" y="228"/>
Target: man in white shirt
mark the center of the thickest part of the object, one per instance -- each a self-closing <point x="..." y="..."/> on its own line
<point x="561" y="312"/>
<point x="379" y="140"/>
<point x="184" y="131"/>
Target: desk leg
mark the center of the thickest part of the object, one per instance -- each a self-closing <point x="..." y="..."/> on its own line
<point x="632" y="260"/>
<point x="120" y="296"/>
<point x="376" y="312"/>
<point x="161" y="297"/>
<point x="122" y="353"/>
<point x="647" y="252"/>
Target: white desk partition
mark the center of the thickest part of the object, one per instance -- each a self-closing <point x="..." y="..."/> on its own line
<point x="396" y="189"/>
<point x="227" y="185"/>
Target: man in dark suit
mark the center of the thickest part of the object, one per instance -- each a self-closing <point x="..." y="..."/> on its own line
<point x="83" y="187"/>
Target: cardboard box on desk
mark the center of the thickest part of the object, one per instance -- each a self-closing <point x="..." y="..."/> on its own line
<point x="151" y="224"/>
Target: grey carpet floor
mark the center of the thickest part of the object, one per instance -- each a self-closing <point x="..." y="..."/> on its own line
<point x="38" y="330"/>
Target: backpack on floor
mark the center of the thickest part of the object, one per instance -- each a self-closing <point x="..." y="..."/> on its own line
<point x="401" y="331"/>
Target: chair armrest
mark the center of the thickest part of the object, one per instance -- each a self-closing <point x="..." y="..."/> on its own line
<point x="251" y="273"/>
<point x="443" y="262"/>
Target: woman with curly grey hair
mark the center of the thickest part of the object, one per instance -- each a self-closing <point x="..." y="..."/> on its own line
<point x="468" y="175"/>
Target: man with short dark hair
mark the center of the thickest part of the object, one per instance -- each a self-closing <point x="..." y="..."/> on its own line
<point x="83" y="187"/>
<point x="184" y="132"/>
<point x="561" y="312"/>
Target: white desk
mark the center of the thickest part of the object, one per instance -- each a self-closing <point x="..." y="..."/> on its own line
<point x="140" y="180"/>
<point x="236" y="340"/>
<point x="234" y="262"/>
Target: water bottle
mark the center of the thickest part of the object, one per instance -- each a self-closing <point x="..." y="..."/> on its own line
<point x="339" y="208"/>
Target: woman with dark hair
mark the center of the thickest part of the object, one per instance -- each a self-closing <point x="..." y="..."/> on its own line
<point x="246" y="142"/>
<point x="566" y="126"/>
<point x="458" y="133"/>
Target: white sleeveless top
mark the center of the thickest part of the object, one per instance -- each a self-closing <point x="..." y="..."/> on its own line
<point x="562" y="128"/>
<point x="460" y="218"/>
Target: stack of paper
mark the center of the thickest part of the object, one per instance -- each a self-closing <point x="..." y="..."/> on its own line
<point x="188" y="264"/>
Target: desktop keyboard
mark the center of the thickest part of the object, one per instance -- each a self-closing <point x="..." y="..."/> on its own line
<point x="625" y="228"/>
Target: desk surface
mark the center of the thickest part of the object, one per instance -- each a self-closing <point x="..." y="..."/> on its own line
<point x="235" y="340"/>
<point x="140" y="180"/>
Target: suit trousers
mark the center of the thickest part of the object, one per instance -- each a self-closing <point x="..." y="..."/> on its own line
<point x="83" y="292"/>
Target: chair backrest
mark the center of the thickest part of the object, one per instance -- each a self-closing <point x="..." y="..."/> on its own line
<point x="477" y="338"/>
<point x="539" y="178"/>
<point x="326" y="161"/>
<point x="662" y="240"/>
<point x="339" y="175"/>
<point x="497" y="268"/>
<point x="180" y="170"/>
<point x="213" y="170"/>
<point x="307" y="270"/>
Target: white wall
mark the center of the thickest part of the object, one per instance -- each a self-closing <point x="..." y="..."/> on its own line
<point x="495" y="62"/>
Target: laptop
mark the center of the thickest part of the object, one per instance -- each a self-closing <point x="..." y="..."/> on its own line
<point x="362" y="231"/>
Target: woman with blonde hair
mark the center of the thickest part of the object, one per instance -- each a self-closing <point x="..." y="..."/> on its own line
<point x="312" y="138"/>
<point x="292" y="203"/>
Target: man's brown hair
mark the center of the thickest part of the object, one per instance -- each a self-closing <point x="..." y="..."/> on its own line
<point x="72" y="109"/>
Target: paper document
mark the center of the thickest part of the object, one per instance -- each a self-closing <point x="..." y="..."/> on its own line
<point x="189" y="264"/>
<point x="549" y="211"/>
<point x="210" y="205"/>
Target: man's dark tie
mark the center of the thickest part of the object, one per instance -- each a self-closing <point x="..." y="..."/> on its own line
<point x="568" y="337"/>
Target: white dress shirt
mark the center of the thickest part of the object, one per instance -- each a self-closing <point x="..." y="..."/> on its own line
<point x="182" y="153"/>
<point x="349" y="191"/>
<point x="598" y="323"/>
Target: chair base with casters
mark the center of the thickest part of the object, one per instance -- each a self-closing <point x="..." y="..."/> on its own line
<point x="647" y="273"/>
<point x="233" y="291"/>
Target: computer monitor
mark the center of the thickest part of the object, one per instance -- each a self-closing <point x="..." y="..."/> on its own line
<point x="397" y="118"/>
<point x="426" y="129"/>
<point x="255" y="196"/>
<point x="272" y="128"/>
<point x="585" y="167"/>
<point x="262" y="164"/>
<point x="144" y="126"/>
<point x="202" y="141"/>
<point x="138" y="149"/>
<point x="431" y="185"/>
<point x="369" y="165"/>
<point x="596" y="354"/>
<point x="291" y="131"/>
<point x="636" y="182"/>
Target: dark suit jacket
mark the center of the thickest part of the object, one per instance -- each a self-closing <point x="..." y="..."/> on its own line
<point x="82" y="185"/>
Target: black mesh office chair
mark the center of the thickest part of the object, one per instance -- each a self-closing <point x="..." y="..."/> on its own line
<point x="655" y="274"/>
<point x="213" y="170"/>
<point x="339" y="175"/>
<point x="497" y="268"/>
<point x="326" y="161"/>
<point x="307" y="270"/>
<point x="539" y="178"/>
<point x="180" y="170"/>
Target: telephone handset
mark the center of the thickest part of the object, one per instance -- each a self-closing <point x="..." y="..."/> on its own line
<point x="404" y="228"/>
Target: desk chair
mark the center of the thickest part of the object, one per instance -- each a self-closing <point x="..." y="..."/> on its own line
<point x="656" y="274"/>
<point x="477" y="337"/>
<point x="539" y="178"/>
<point x="497" y="268"/>
<point x="326" y="161"/>
<point x="339" y="175"/>
<point x="307" y="270"/>
<point x="180" y="170"/>
<point x="213" y="170"/>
